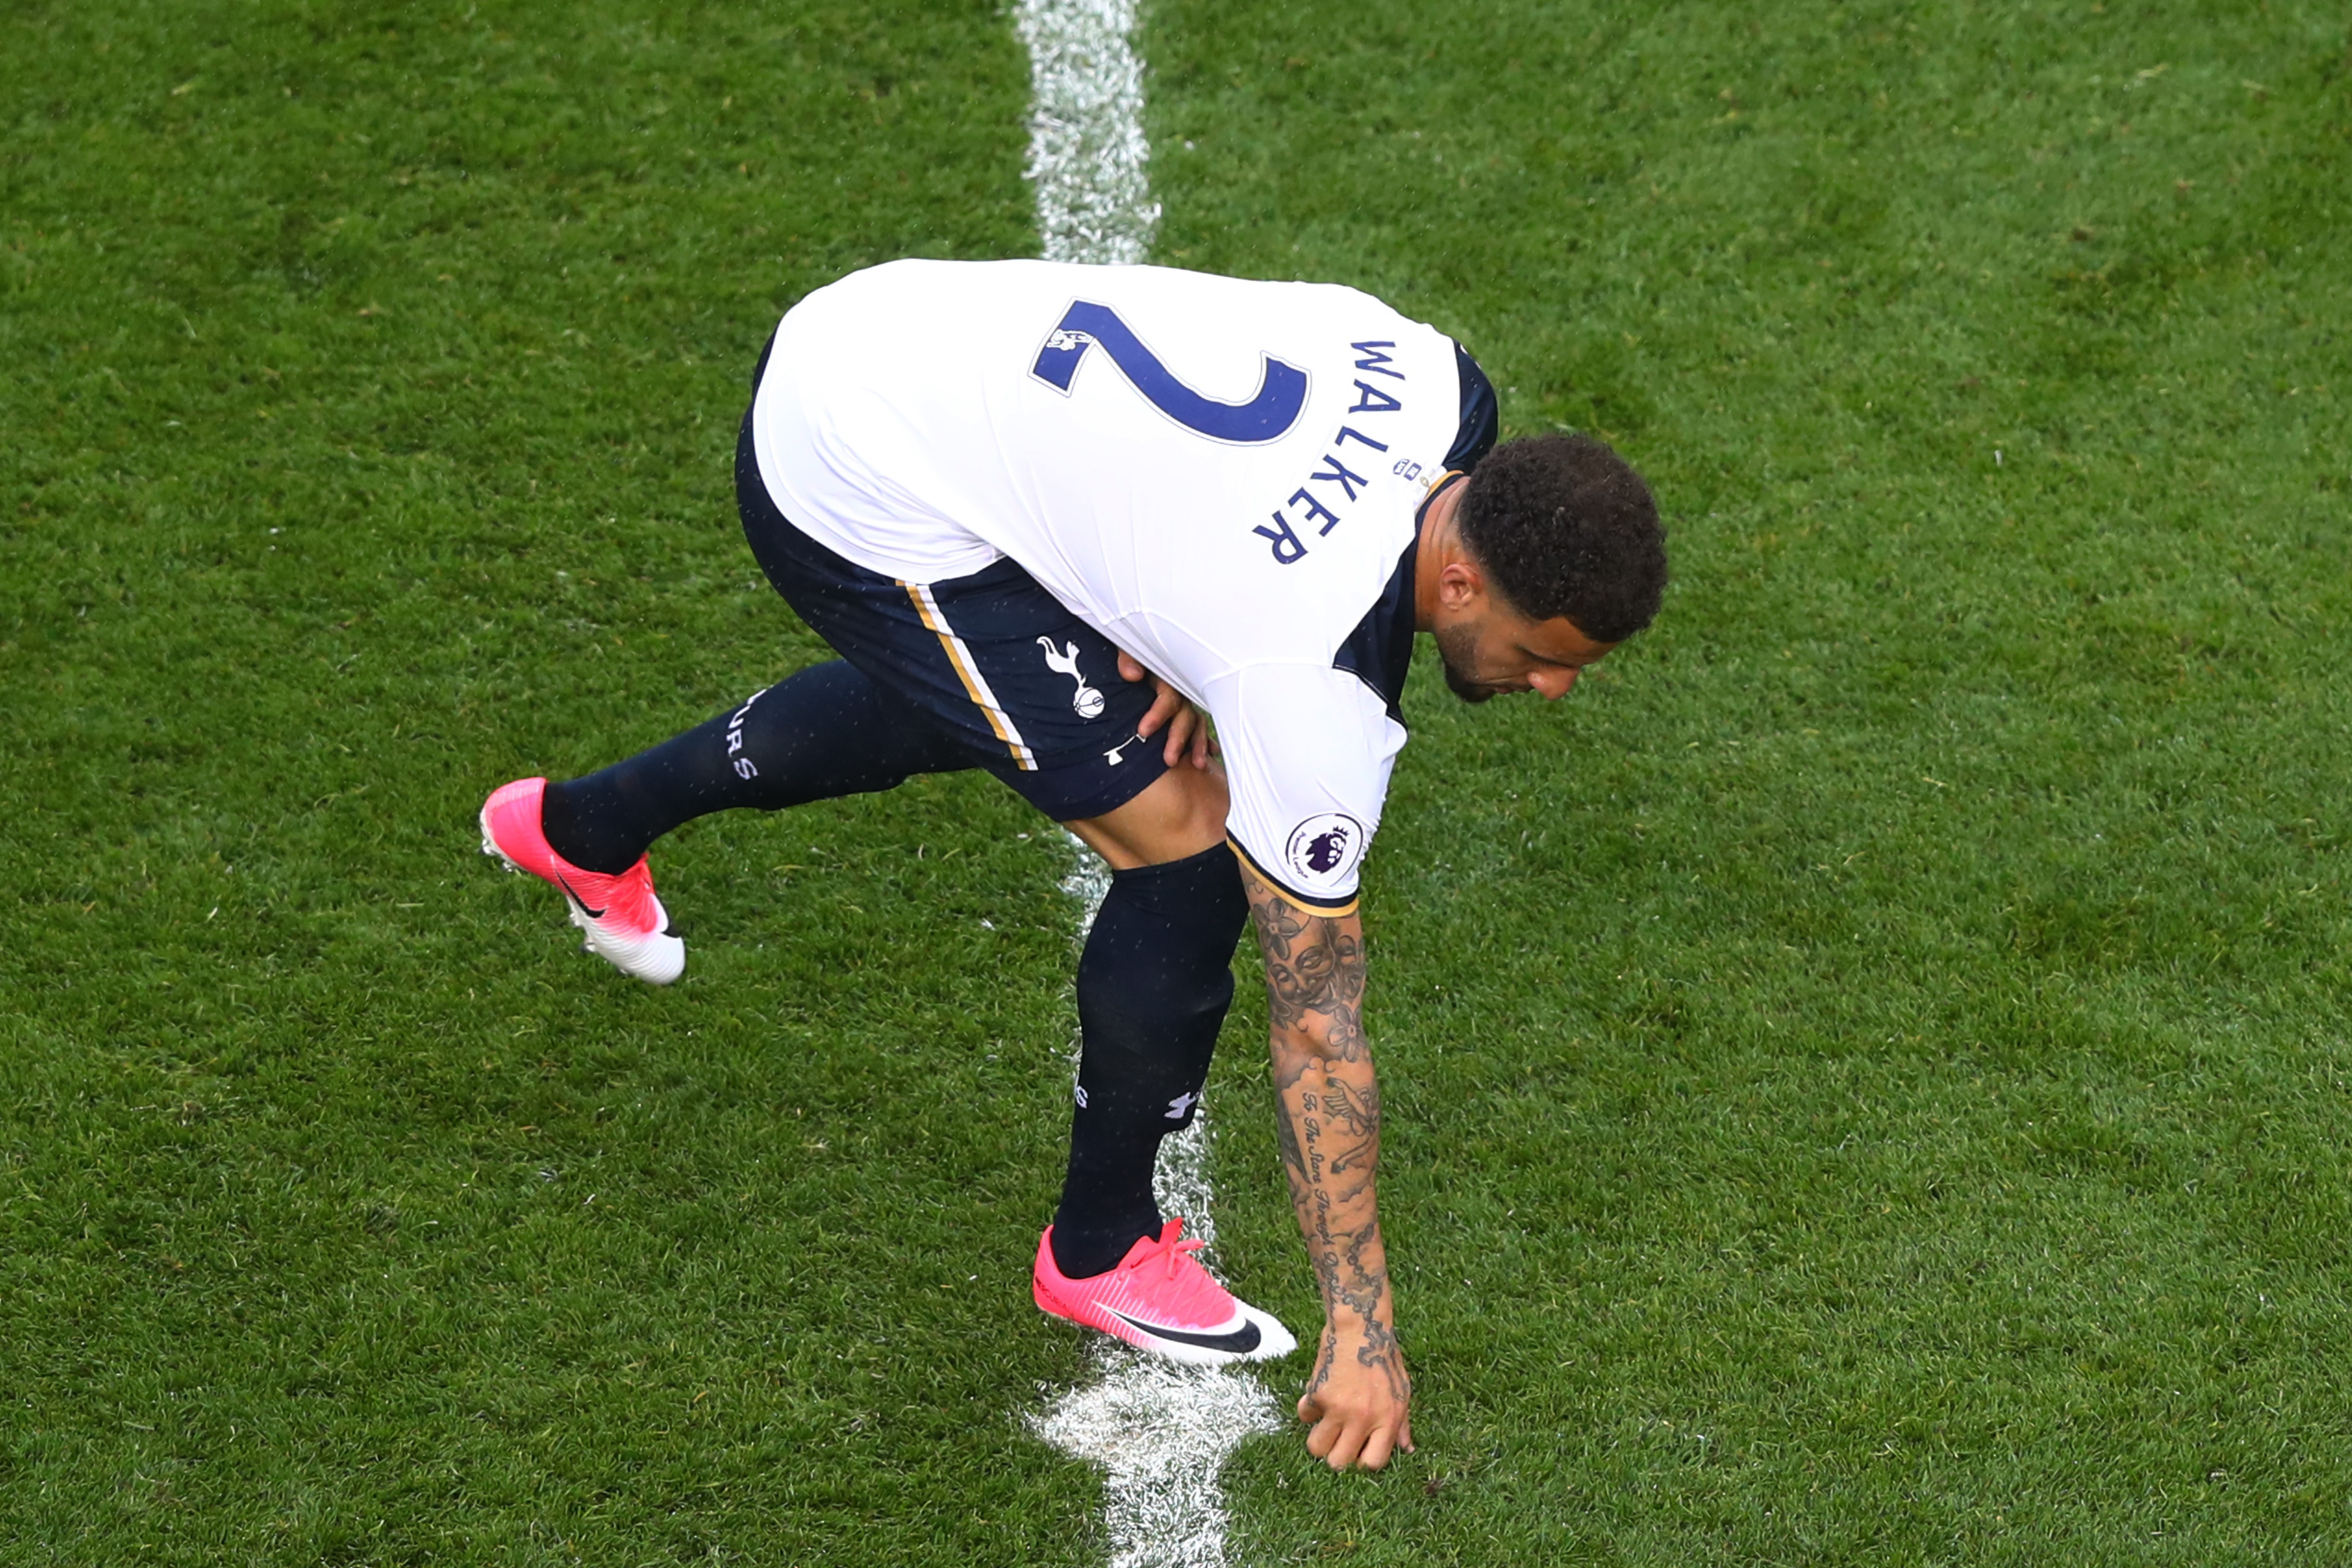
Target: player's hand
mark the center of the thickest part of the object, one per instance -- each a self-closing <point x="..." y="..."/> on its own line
<point x="1358" y="1401"/>
<point x="1188" y="730"/>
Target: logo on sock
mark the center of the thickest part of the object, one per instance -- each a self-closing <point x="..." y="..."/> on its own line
<point x="1086" y="702"/>
<point x="1181" y="1104"/>
<point x="743" y="764"/>
<point x="1081" y="1091"/>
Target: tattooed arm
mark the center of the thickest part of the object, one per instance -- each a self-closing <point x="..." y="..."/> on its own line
<point x="1328" y="1119"/>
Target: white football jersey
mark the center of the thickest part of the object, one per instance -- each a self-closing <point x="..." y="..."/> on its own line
<point x="1219" y="475"/>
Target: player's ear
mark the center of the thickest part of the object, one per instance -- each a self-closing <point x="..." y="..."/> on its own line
<point x="1461" y="586"/>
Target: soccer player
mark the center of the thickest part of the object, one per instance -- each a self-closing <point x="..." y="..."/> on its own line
<point x="1003" y="491"/>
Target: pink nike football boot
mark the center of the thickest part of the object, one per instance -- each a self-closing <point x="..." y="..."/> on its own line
<point x="620" y="916"/>
<point x="1161" y="1300"/>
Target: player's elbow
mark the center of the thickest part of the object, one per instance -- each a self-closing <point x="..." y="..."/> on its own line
<point x="1319" y="1037"/>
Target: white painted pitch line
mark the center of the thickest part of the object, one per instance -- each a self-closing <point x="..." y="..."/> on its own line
<point x="1159" y="1432"/>
<point x="1086" y="151"/>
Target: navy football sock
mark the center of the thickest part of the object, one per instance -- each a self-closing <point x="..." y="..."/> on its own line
<point x="825" y="731"/>
<point x="1153" y="986"/>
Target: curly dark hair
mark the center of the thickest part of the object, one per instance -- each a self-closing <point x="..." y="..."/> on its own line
<point x="1563" y="526"/>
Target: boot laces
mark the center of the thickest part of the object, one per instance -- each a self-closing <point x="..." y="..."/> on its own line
<point x="1168" y="1249"/>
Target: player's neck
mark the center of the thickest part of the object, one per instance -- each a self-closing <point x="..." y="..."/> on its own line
<point x="1438" y="546"/>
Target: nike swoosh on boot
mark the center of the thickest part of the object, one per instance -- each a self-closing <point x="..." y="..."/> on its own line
<point x="1240" y="1342"/>
<point x="592" y="914"/>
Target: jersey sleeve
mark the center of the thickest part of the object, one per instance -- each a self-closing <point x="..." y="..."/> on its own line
<point x="1307" y="751"/>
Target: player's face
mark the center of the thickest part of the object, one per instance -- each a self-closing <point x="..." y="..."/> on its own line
<point x="1497" y="651"/>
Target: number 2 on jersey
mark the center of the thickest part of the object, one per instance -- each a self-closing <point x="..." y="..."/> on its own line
<point x="1281" y="391"/>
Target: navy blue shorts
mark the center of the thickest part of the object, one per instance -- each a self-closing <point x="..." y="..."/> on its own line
<point x="1032" y="692"/>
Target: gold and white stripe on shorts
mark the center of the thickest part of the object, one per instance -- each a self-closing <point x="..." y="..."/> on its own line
<point x="975" y="685"/>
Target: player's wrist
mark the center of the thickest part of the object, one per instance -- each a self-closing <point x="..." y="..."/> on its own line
<point x="1354" y="1324"/>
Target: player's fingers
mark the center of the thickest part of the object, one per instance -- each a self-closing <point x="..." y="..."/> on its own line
<point x="1404" y="1434"/>
<point x="1180" y="735"/>
<point x="1200" y="746"/>
<point x="1165" y="707"/>
<point x="1343" y="1449"/>
<point x="1377" y="1448"/>
<point x="1129" y="667"/>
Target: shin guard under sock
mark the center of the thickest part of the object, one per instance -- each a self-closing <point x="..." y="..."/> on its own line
<point x="1154" y="982"/>
<point x="825" y="731"/>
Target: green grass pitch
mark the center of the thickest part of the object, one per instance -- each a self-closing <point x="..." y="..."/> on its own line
<point x="1867" y="1076"/>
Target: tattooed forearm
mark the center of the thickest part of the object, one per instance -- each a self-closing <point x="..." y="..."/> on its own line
<point x="1294" y="1158"/>
<point x="1329" y="1118"/>
<point x="1354" y="1110"/>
